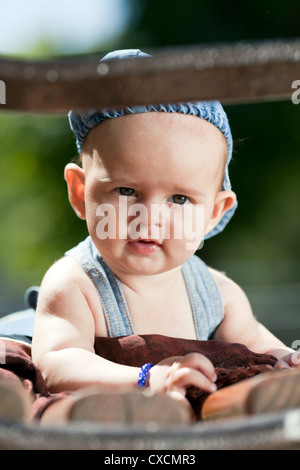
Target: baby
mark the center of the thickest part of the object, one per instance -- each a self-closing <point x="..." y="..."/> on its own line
<point x="152" y="183"/>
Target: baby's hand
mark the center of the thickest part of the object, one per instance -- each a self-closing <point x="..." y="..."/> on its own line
<point x="288" y="361"/>
<point x="174" y="375"/>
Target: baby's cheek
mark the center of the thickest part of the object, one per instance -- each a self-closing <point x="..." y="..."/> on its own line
<point x="189" y="225"/>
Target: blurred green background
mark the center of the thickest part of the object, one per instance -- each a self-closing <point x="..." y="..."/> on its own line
<point x="260" y="247"/>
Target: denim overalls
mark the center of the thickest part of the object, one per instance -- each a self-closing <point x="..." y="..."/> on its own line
<point x="204" y="295"/>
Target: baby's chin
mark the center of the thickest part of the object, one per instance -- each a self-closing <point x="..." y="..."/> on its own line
<point x="145" y="257"/>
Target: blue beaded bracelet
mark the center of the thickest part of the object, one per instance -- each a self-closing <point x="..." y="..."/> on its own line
<point x="143" y="376"/>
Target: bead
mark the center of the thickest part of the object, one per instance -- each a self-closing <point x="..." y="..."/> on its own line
<point x="144" y="373"/>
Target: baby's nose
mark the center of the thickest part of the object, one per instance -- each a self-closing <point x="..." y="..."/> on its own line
<point x="150" y="218"/>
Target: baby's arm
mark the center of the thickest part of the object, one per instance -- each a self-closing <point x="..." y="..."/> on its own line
<point x="64" y="335"/>
<point x="240" y="325"/>
<point x="67" y="321"/>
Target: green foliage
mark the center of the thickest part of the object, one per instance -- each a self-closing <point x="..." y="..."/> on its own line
<point x="265" y="175"/>
<point x="174" y="22"/>
<point x="37" y="223"/>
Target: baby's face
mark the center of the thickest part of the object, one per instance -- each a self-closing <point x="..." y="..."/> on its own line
<point x="151" y="183"/>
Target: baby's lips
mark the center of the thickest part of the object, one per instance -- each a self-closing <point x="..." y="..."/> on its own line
<point x="144" y="246"/>
<point x="149" y="240"/>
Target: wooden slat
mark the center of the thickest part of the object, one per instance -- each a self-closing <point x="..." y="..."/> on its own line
<point x="232" y="73"/>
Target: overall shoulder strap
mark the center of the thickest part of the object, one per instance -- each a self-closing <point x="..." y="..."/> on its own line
<point x="107" y="285"/>
<point x="205" y="297"/>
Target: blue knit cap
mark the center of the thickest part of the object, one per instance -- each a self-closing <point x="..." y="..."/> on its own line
<point x="83" y="122"/>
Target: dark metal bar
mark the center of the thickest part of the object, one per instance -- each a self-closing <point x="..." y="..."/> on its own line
<point x="233" y="73"/>
<point x="267" y="431"/>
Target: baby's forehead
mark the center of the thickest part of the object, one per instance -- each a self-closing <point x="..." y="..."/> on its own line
<point x="178" y="121"/>
<point x="134" y="140"/>
<point x="177" y="125"/>
<point x="183" y="123"/>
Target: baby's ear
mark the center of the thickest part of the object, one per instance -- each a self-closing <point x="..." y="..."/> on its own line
<point x="223" y="202"/>
<point x="75" y="178"/>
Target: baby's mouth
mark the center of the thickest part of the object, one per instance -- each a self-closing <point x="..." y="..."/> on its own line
<point x="145" y="246"/>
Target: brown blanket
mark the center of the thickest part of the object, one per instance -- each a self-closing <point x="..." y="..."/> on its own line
<point x="19" y="367"/>
<point x="233" y="362"/>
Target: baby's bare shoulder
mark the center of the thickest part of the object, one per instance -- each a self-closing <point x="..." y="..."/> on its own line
<point x="64" y="274"/>
<point x="64" y="281"/>
<point x="66" y="291"/>
<point x="221" y="278"/>
<point x="229" y="289"/>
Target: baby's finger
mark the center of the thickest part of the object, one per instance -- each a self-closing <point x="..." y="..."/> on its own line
<point x="282" y="364"/>
<point x="201" y="363"/>
<point x="188" y="377"/>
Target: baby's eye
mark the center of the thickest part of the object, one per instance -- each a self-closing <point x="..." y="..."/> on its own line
<point x="179" y="199"/>
<point x="125" y="191"/>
